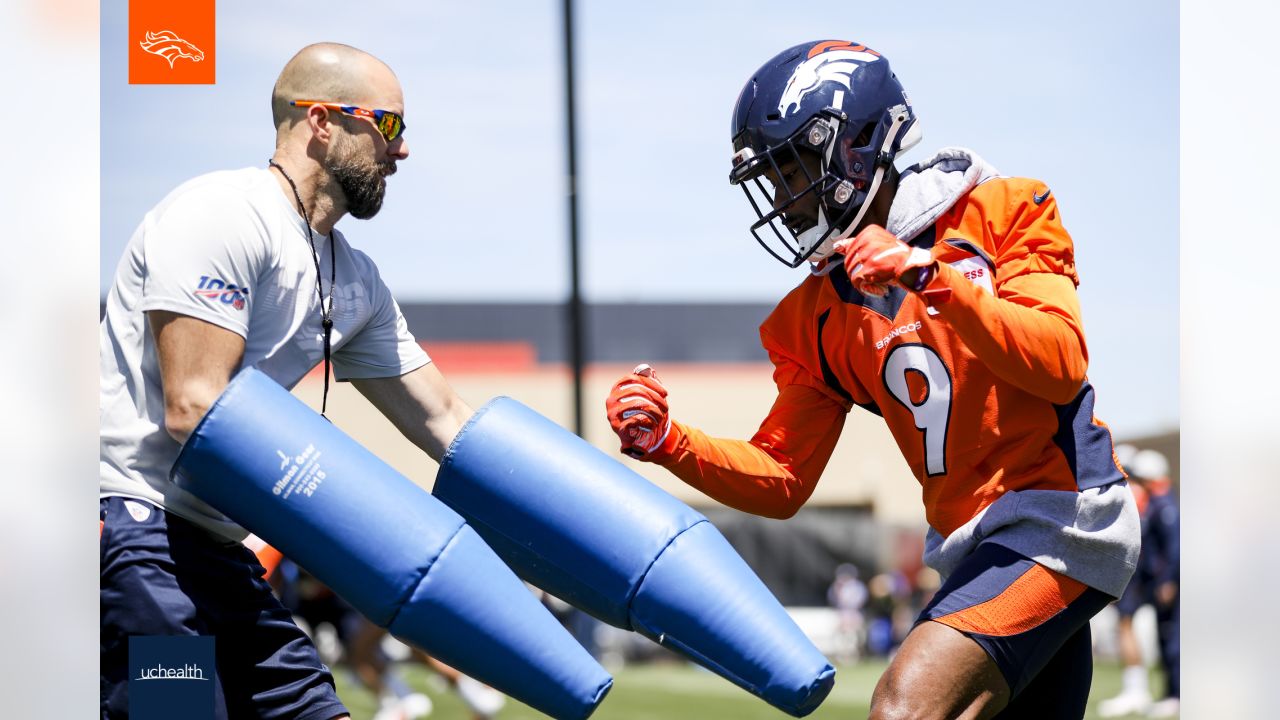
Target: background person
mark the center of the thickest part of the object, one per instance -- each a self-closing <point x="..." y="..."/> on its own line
<point x="847" y="595"/>
<point x="1156" y="583"/>
<point x="1135" y="691"/>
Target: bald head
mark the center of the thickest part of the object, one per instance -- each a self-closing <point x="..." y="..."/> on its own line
<point x="330" y="72"/>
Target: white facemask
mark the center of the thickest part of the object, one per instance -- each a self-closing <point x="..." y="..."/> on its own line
<point x="807" y="238"/>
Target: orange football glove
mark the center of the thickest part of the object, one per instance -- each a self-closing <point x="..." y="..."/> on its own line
<point x="875" y="257"/>
<point x="637" y="409"/>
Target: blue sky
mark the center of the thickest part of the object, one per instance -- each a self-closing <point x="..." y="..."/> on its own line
<point x="1085" y="100"/>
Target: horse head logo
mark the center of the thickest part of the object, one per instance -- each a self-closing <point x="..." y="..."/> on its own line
<point x="169" y="46"/>
<point x="827" y="62"/>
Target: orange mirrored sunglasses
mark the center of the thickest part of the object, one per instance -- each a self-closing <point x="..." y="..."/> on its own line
<point x="390" y="125"/>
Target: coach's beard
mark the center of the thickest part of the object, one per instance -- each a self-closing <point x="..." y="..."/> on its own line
<point x="363" y="183"/>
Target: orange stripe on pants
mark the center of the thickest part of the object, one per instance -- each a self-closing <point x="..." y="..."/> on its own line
<point x="1037" y="595"/>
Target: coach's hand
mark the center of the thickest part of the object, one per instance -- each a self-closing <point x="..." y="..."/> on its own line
<point x="637" y="409"/>
<point x="875" y="257"/>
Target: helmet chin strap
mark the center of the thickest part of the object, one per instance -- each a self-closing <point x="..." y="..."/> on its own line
<point x="825" y="249"/>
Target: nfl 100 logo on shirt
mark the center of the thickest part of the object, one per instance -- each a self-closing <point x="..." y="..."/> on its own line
<point x="219" y="290"/>
<point x="171" y="676"/>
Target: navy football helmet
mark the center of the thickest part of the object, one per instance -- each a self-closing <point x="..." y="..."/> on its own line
<point x="834" y="111"/>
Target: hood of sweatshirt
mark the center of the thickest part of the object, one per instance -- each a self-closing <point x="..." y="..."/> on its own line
<point x="929" y="188"/>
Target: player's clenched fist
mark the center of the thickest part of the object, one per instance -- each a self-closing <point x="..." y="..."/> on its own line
<point x="875" y="257"/>
<point x="637" y="408"/>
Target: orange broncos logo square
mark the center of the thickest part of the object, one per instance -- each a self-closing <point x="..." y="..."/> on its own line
<point x="169" y="46"/>
<point x="171" y="42"/>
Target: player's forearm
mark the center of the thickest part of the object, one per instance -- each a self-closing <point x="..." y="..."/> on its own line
<point x="1033" y="342"/>
<point x="744" y="475"/>
<point x="185" y="407"/>
<point x="422" y="406"/>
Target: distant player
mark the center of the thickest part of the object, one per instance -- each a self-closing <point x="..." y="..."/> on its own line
<point x="848" y="594"/>
<point x="941" y="298"/>
<point x="1156" y="583"/>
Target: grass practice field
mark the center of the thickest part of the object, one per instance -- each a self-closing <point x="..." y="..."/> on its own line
<point x="679" y="691"/>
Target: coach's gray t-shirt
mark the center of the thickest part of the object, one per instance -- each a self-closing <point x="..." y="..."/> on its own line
<point x="230" y="248"/>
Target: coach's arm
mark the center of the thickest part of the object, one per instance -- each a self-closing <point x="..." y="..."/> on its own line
<point x="197" y="360"/>
<point x="422" y="406"/>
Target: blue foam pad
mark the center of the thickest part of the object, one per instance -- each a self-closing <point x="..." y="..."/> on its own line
<point x="585" y="528"/>
<point x="388" y="547"/>
<point x="695" y="598"/>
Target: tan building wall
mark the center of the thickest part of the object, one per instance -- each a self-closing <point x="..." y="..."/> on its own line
<point x="723" y="400"/>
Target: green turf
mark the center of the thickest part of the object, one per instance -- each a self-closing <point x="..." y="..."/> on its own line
<point x="675" y="691"/>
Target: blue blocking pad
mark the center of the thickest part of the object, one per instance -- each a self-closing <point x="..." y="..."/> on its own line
<point x="397" y="554"/>
<point x="585" y="528"/>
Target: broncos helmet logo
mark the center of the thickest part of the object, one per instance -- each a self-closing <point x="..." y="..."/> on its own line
<point x="169" y="46"/>
<point x="827" y="62"/>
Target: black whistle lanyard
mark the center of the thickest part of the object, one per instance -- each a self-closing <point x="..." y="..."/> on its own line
<point x="326" y="303"/>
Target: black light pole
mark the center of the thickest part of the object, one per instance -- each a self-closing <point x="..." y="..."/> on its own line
<point x="577" y="331"/>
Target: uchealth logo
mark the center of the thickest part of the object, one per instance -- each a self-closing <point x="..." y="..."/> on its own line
<point x="166" y="44"/>
<point x="171" y="676"/>
<point x="171" y="43"/>
<point x="219" y="290"/>
<point x="188" y="671"/>
<point x="828" y="62"/>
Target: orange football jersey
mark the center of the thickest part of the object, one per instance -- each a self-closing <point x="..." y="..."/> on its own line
<point x="980" y="378"/>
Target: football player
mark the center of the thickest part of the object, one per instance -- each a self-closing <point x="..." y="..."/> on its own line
<point x="942" y="298"/>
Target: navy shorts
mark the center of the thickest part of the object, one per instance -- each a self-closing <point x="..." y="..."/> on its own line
<point x="161" y="575"/>
<point x="1032" y="621"/>
<point x="1136" y="594"/>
